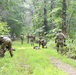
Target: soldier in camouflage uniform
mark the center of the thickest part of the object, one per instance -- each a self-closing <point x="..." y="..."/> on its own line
<point x="32" y="39"/>
<point x="39" y="40"/>
<point x="60" y="40"/>
<point x="22" y="38"/>
<point x="42" y="42"/>
<point x="6" y="44"/>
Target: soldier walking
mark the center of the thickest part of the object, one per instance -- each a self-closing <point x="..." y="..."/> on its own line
<point x="60" y="40"/>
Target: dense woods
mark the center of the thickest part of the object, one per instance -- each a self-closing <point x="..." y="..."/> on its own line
<point x="20" y="16"/>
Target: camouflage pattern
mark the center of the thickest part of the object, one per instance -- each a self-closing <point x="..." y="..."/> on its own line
<point x="14" y="37"/>
<point x="42" y="42"/>
<point x="22" y="39"/>
<point x="60" y="40"/>
<point x="31" y="39"/>
<point x="27" y="38"/>
<point x="6" y="45"/>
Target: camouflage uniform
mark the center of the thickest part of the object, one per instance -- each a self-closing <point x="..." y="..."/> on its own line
<point x="60" y="40"/>
<point x="6" y="44"/>
<point x="32" y="39"/>
<point x="14" y="37"/>
<point x="42" y="41"/>
<point x="39" y="40"/>
<point x="22" y="38"/>
<point x="27" y="38"/>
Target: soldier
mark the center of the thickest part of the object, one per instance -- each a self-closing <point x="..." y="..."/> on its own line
<point x="42" y="42"/>
<point x="32" y="39"/>
<point x="60" y="40"/>
<point x="22" y="38"/>
<point x="14" y="37"/>
<point x="27" y="38"/>
<point x="6" y="43"/>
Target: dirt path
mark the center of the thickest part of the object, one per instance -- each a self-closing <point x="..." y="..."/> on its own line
<point x="63" y="66"/>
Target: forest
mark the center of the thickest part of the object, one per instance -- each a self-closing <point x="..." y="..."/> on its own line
<point x="39" y="18"/>
<point x="20" y="16"/>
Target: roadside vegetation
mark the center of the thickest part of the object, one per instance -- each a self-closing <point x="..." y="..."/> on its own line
<point x="28" y="61"/>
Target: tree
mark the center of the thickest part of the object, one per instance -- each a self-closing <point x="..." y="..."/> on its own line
<point x="45" y="17"/>
<point x="64" y="16"/>
<point x="52" y="16"/>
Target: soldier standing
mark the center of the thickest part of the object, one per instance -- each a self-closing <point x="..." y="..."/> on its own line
<point x="22" y="38"/>
<point x="39" y="40"/>
<point x="60" y="40"/>
<point x="32" y="39"/>
<point x="14" y="36"/>
<point x="27" y="38"/>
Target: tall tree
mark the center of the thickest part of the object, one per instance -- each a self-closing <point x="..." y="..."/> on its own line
<point x="64" y="16"/>
<point x="52" y="16"/>
<point x="45" y="16"/>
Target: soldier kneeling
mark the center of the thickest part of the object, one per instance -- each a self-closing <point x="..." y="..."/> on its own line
<point x="43" y="43"/>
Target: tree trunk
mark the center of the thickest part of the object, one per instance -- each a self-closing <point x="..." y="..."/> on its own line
<point x="52" y="16"/>
<point x="45" y="17"/>
<point x="64" y="17"/>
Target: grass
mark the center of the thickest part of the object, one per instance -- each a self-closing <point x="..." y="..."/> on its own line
<point x="52" y="52"/>
<point x="28" y="61"/>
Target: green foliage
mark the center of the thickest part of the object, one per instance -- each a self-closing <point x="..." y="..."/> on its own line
<point x="70" y="50"/>
<point x="52" y="33"/>
<point x="55" y="10"/>
<point x="38" y="17"/>
<point x="4" y="29"/>
<point x="12" y="11"/>
<point x="15" y="10"/>
<point x="16" y="26"/>
<point x="71" y="14"/>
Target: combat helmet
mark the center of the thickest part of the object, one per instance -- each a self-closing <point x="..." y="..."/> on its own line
<point x="59" y="30"/>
